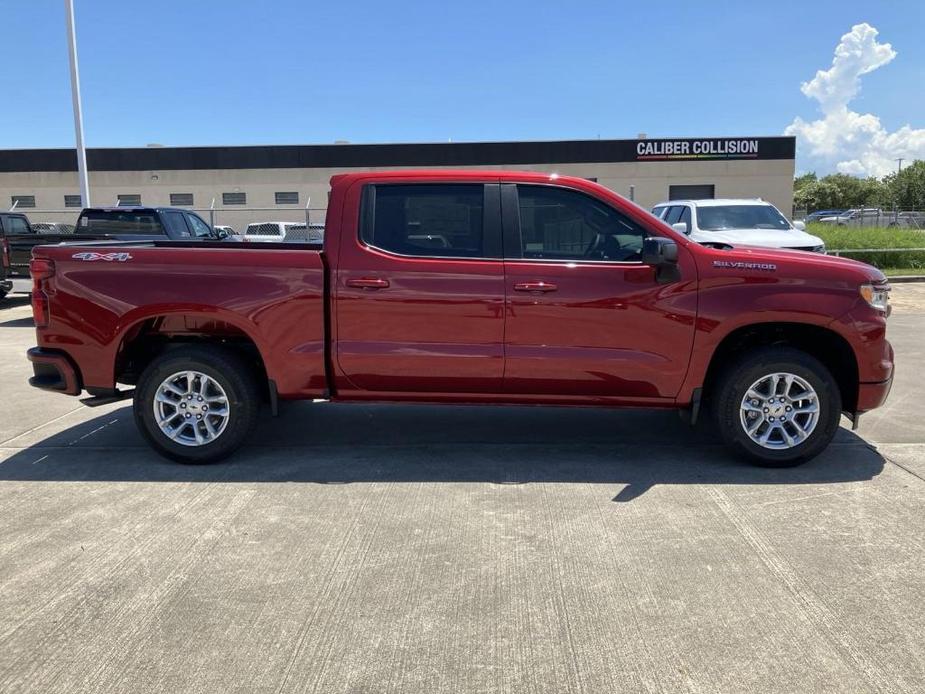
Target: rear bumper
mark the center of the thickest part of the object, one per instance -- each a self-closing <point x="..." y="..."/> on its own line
<point x="53" y="371"/>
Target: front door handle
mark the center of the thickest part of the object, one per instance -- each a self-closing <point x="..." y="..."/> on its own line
<point x="368" y="283"/>
<point x="535" y="287"/>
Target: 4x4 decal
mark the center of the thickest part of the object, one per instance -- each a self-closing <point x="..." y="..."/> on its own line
<point x="108" y="257"/>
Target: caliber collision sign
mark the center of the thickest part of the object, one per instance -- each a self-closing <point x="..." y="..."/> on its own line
<point x="713" y="148"/>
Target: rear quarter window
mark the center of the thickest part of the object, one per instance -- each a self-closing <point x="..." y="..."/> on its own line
<point x="117" y="222"/>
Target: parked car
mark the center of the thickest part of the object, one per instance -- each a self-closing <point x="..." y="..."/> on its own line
<point x="544" y="289"/>
<point x="130" y="223"/>
<point x="820" y="214"/>
<point x="284" y="231"/>
<point x="6" y="284"/>
<point x="861" y="217"/>
<point x="737" y="223"/>
<point x="16" y="241"/>
<point x="52" y="228"/>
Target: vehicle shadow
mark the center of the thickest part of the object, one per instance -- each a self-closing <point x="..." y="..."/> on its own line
<point x="14" y="301"/>
<point x="25" y="322"/>
<point x="348" y="444"/>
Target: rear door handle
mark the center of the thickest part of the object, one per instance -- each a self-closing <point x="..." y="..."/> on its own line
<point x="368" y="283"/>
<point x="535" y="287"/>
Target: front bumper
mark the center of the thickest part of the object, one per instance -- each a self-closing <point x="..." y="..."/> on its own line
<point x="53" y="371"/>
<point x="873" y="395"/>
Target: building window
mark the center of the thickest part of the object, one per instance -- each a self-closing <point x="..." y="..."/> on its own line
<point x="23" y="200"/>
<point x="234" y="198"/>
<point x="692" y="192"/>
<point x="129" y="199"/>
<point x="184" y="199"/>
<point x="73" y="201"/>
<point x="287" y="198"/>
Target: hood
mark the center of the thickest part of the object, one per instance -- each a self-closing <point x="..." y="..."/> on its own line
<point x="767" y="238"/>
<point x="797" y="262"/>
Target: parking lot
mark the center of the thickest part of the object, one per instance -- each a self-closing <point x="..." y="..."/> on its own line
<point x="456" y="549"/>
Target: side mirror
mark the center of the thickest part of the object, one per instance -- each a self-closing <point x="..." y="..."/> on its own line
<point x="799" y="225"/>
<point x="662" y="254"/>
<point x="681" y="227"/>
<point x="221" y="234"/>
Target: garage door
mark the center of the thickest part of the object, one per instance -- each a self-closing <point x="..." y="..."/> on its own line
<point x="695" y="192"/>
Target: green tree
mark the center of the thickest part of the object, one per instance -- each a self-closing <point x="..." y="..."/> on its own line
<point x="839" y="191"/>
<point x="907" y="188"/>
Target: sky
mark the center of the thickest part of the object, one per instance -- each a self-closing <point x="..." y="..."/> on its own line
<point x="846" y="77"/>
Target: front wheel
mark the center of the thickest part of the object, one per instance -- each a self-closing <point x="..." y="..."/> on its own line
<point x="196" y="404"/>
<point x="778" y="406"/>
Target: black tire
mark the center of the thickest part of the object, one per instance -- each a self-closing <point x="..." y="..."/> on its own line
<point x="747" y="370"/>
<point x="231" y="372"/>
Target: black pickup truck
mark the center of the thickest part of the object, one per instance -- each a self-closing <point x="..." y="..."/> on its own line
<point x="18" y="238"/>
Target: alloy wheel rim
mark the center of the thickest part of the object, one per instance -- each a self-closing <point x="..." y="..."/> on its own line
<point x="191" y="408"/>
<point x="779" y="411"/>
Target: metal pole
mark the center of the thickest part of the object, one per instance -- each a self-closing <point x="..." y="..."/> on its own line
<point x="307" y="215"/>
<point x="212" y="214"/>
<point x="78" y="111"/>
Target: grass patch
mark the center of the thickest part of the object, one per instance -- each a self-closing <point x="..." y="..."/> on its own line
<point x="892" y="241"/>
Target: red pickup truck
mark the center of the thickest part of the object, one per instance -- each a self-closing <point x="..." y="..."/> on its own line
<point x="466" y="287"/>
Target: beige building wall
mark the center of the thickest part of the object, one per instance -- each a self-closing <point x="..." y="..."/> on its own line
<point x="771" y="180"/>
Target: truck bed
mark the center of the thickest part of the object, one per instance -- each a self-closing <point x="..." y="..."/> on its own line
<point x="104" y="295"/>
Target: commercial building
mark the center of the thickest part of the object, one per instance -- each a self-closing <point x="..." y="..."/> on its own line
<point x="263" y="183"/>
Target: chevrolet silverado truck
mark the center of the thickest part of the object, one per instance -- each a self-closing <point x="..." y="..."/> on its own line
<point x="466" y="287"/>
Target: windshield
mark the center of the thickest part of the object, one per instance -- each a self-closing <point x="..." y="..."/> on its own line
<point x="718" y="217"/>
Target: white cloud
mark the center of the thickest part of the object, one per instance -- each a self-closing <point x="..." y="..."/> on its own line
<point x="852" y="142"/>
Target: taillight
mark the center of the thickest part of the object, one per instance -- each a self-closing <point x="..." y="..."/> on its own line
<point x="41" y="270"/>
<point x="5" y="252"/>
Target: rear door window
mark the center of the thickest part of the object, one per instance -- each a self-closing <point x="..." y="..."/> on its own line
<point x="17" y="225"/>
<point x="436" y="220"/>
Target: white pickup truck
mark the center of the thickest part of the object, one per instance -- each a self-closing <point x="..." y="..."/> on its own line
<point x="292" y="232"/>
<point x="737" y="223"/>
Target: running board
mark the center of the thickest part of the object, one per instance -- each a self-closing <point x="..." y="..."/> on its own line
<point x="97" y="400"/>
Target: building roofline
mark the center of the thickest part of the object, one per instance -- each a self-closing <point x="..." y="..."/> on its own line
<point x="341" y="156"/>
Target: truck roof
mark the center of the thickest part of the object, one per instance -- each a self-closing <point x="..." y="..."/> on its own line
<point x="715" y="202"/>
<point x="462" y="174"/>
<point x="135" y="208"/>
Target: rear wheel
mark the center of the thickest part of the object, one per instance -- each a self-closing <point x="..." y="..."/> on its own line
<point x="196" y="404"/>
<point x="778" y="407"/>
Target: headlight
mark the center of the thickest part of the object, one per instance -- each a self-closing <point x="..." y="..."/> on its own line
<point x="819" y="249"/>
<point x="877" y="297"/>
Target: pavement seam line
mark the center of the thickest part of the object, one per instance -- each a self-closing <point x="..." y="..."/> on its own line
<point x="901" y="466"/>
<point x="815" y="610"/>
<point x="44" y="424"/>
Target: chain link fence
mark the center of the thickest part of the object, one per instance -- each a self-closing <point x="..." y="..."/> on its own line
<point x="297" y="223"/>
<point x="868" y="217"/>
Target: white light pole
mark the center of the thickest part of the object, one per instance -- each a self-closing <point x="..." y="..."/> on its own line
<point x="78" y="111"/>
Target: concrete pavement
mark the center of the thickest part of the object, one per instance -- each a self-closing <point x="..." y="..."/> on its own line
<point x="456" y="549"/>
